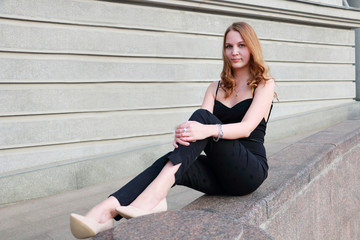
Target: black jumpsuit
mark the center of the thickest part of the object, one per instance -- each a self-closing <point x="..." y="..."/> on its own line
<point x="230" y="167"/>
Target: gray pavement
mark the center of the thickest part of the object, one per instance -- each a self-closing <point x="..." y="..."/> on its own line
<point x="48" y="218"/>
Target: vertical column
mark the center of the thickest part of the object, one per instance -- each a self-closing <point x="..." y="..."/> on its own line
<point x="357" y="63"/>
<point x="356" y="4"/>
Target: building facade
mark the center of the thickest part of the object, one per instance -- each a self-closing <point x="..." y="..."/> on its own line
<point x="91" y="91"/>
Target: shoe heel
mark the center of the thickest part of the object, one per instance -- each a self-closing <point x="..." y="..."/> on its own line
<point x="84" y="227"/>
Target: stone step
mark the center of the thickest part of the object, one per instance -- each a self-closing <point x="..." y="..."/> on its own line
<point x="48" y="218"/>
<point x="50" y="179"/>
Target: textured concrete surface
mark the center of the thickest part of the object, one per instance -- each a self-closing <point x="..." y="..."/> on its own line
<point x="178" y="225"/>
<point x="186" y="224"/>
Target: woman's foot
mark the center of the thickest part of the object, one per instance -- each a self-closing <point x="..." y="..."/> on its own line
<point x="85" y="227"/>
<point x="98" y="219"/>
<point x="132" y="212"/>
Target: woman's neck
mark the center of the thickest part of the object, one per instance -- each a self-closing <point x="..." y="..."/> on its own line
<point x="242" y="76"/>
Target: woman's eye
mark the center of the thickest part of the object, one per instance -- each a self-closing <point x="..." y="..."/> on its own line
<point x="228" y="46"/>
<point x="241" y="45"/>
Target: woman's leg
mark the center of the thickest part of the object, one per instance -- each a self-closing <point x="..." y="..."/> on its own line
<point x="200" y="176"/>
<point x="148" y="188"/>
<point x="177" y="163"/>
<point x="157" y="189"/>
<point x="173" y="166"/>
<point x="238" y="170"/>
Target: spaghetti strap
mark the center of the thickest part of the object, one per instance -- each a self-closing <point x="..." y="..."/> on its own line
<point x="217" y="89"/>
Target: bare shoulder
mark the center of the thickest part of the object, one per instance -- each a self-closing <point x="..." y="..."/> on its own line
<point x="265" y="90"/>
<point x="212" y="87"/>
<point x="267" y="85"/>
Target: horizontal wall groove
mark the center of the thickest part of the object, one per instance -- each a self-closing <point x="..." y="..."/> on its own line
<point x="159" y="30"/>
<point x="315" y="111"/>
<point x="106" y="55"/>
<point x="84" y="142"/>
<point x="70" y="143"/>
<point x="279" y="40"/>
<point x="310" y="62"/>
<point x="311" y="100"/>
<point x="64" y="83"/>
<point x="265" y="12"/>
<point x="45" y="147"/>
<point x="75" y="82"/>
<point x="110" y="27"/>
<point x="25" y="116"/>
<point x="313" y="80"/>
<point x="13" y="54"/>
<point x="158" y="57"/>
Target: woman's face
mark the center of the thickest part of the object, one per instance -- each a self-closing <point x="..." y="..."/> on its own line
<point x="236" y="50"/>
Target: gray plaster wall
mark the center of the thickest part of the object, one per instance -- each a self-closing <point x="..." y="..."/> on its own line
<point x="82" y="81"/>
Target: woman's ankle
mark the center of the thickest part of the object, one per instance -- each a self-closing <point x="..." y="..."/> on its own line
<point x="147" y="202"/>
<point x="104" y="211"/>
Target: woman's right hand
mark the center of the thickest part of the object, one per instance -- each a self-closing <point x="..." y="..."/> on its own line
<point x="178" y="136"/>
<point x="191" y="131"/>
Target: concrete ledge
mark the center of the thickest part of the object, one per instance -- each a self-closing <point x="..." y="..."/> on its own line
<point x="312" y="192"/>
<point x="50" y="179"/>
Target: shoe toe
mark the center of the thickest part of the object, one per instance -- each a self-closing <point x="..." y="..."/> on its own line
<point x="79" y="228"/>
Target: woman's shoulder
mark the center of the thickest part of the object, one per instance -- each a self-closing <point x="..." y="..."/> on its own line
<point x="265" y="88"/>
<point x="213" y="86"/>
<point x="269" y="80"/>
<point x="267" y="83"/>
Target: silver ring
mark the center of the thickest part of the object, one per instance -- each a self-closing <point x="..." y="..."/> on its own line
<point x="184" y="129"/>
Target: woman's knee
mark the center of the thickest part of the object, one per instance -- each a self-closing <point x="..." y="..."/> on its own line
<point x="204" y="116"/>
<point x="200" y="113"/>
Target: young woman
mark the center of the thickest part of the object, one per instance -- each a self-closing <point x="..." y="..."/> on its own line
<point x="230" y="128"/>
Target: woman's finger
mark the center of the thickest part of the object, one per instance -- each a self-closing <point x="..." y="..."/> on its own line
<point x="187" y="139"/>
<point x="182" y="133"/>
<point x="182" y="130"/>
<point x="180" y="141"/>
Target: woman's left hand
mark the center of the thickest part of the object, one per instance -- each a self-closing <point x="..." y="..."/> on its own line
<point x="190" y="131"/>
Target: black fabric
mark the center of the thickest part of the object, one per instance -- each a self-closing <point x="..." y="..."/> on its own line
<point x="255" y="142"/>
<point x="230" y="167"/>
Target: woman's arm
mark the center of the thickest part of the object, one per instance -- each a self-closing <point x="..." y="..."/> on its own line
<point x="203" y="131"/>
<point x="209" y="98"/>
<point x="258" y="109"/>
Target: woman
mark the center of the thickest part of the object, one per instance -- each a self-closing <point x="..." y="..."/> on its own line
<point x="229" y="128"/>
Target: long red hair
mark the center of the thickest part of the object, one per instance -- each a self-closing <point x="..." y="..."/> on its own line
<point x="258" y="69"/>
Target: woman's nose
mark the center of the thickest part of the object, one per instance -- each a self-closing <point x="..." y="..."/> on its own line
<point x="235" y="52"/>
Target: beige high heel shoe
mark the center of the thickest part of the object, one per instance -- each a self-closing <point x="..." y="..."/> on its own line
<point x="84" y="227"/>
<point x="132" y="212"/>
